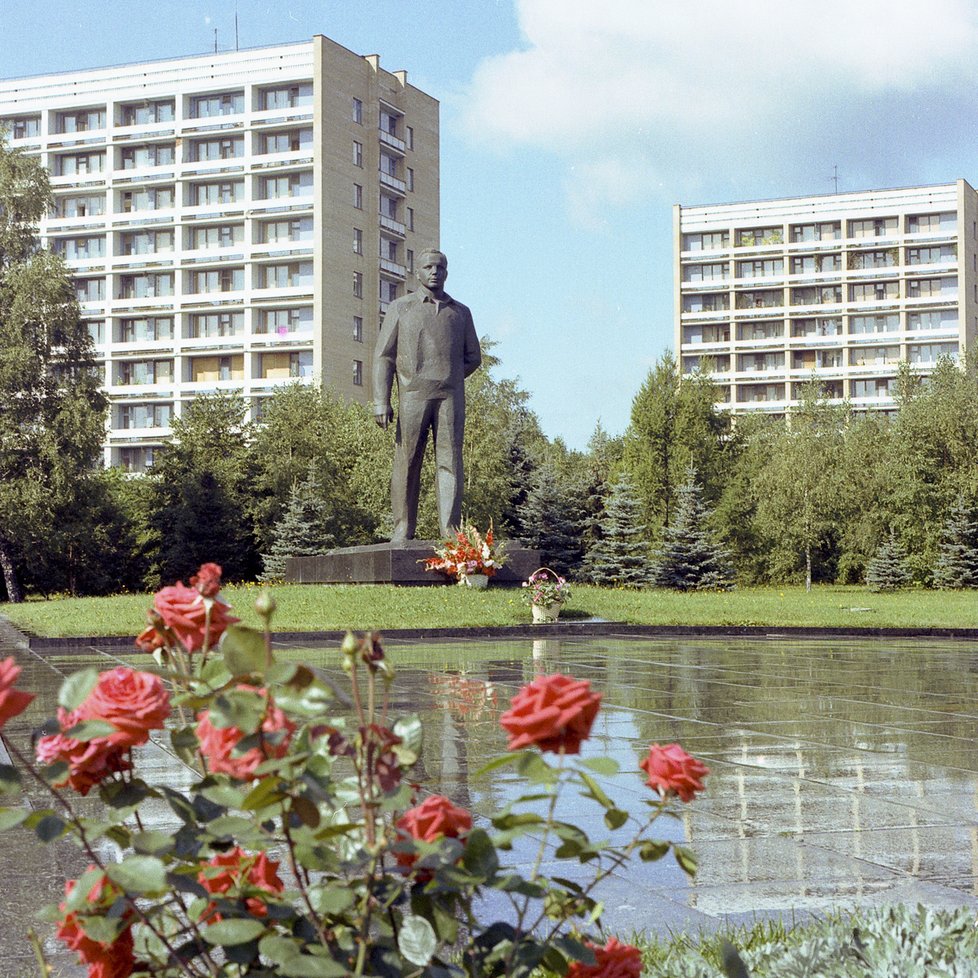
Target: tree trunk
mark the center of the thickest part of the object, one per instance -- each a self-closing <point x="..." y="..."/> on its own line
<point x="14" y="594"/>
<point x="808" y="568"/>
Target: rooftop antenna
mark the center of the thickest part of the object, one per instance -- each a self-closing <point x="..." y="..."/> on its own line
<point x="835" y="177"/>
<point x="215" y="40"/>
<point x="236" y="48"/>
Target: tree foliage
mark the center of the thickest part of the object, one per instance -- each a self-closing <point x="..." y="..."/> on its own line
<point x="620" y="555"/>
<point x="888" y="569"/>
<point x="957" y="558"/>
<point x="552" y="517"/>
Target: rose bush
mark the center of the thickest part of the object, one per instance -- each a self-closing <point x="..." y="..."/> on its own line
<point x="304" y="847"/>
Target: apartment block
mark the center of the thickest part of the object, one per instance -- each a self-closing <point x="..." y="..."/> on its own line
<point x="841" y="286"/>
<point x="233" y="221"/>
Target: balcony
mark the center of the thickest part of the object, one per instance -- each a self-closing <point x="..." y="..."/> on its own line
<point x="393" y="183"/>
<point x="395" y="227"/>
<point x="388" y="140"/>
<point x="393" y="268"/>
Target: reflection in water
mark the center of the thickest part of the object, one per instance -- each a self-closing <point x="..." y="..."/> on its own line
<point x="842" y="770"/>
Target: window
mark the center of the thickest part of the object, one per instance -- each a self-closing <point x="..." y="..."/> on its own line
<point x="921" y="288"/>
<point x="146" y="199"/>
<point x="217" y="280"/>
<point x="747" y="393"/>
<point x="96" y="330"/>
<point x="79" y="164"/>
<point x="864" y="356"/>
<point x="410" y="260"/>
<point x="930" y="353"/>
<point x="205" y="324"/>
<point x="822" y="326"/>
<point x="410" y="178"/>
<point x="765" y="329"/>
<point x="226" y="103"/>
<point x="874" y="259"/>
<point x="300" y="364"/>
<point x="290" y="230"/>
<point x="943" y="319"/>
<point x="146" y="328"/>
<point x="286" y="96"/>
<point x="707" y="241"/>
<point x="225" y="148"/>
<point x="409" y="137"/>
<point x="358" y="111"/>
<point x="760" y="361"/>
<point x="144" y="415"/>
<point x="225" y="192"/>
<point x="389" y="164"/>
<point x="290" y="275"/>
<point x="825" y="231"/>
<point x="873" y="227"/>
<point x="874" y="291"/>
<point x="290" y="141"/>
<point x="358" y="196"/>
<point x="816" y="295"/>
<point x="89" y="289"/>
<point x="931" y="256"/>
<point x="358" y="373"/>
<point x="357" y="153"/>
<point x="358" y="329"/>
<point x="144" y="113"/>
<point x="358" y="284"/>
<point x="357" y="241"/>
<point x="932" y="223"/>
<point x="760" y="299"/>
<point x="155" y="154"/>
<point x="706" y="302"/>
<point x="288" y="185"/>
<point x="388" y="291"/>
<point x="146" y="286"/>
<point x="218" y="368"/>
<point x="410" y="218"/>
<point x="80" y="249"/>
<point x="716" y="272"/>
<point x="389" y="122"/>
<point x="283" y="321"/>
<point x="388" y="206"/>
<point x="146" y="242"/>
<point x="700" y="333"/>
<point x="388" y="249"/>
<point x="80" y="120"/>
<point x="759" y="236"/>
<point x="875" y="324"/>
<point x="22" y="127"/>
<point x="760" y="268"/>
<point x="145" y="371"/>
<point x="216" y="236"/>
<point x="875" y="387"/>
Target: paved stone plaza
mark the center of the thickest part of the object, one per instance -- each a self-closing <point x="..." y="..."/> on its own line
<point x="844" y="770"/>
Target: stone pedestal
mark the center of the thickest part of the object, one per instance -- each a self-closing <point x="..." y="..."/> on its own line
<point x="385" y="563"/>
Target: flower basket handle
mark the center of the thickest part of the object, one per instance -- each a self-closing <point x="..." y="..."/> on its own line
<point x="549" y="570"/>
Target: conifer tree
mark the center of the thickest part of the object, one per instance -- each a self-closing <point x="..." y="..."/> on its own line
<point x="957" y="559"/>
<point x="301" y="532"/>
<point x="552" y="519"/>
<point x="888" y="570"/>
<point x="620" y="555"/>
<point x="689" y="558"/>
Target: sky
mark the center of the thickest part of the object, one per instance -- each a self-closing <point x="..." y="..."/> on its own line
<point x="570" y="128"/>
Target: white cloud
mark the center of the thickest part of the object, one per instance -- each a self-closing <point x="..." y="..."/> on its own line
<point x="602" y="84"/>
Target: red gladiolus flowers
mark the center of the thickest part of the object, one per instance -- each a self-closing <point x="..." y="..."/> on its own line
<point x="614" y="960"/>
<point x="12" y="701"/>
<point x="671" y="769"/>
<point x="436" y="817"/>
<point x="553" y="713"/>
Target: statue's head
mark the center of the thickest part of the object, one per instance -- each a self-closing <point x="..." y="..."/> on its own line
<point x="431" y="269"/>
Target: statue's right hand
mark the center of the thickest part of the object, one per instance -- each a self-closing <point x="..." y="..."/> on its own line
<point x="384" y="417"/>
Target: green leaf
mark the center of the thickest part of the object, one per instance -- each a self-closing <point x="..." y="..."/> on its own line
<point x="241" y="708"/>
<point x="265" y="793"/>
<point x="11" y="817"/>
<point x="595" y="791"/>
<point x="312" y="966"/>
<point x="75" y="689"/>
<point x="288" y="673"/>
<point x="223" y="794"/>
<point x="50" y="827"/>
<point x="480" y="857"/>
<point x="227" y="933"/>
<point x="332" y="899"/>
<point x="411" y="732"/>
<point x="278" y="950"/>
<point x="308" y="813"/>
<point x="55" y="773"/>
<point x="10" y="779"/>
<point x="604" y="766"/>
<point x="243" y="650"/>
<point x="184" y="738"/>
<point x="139" y="874"/>
<point x="649" y="852"/>
<point x="417" y="940"/>
<point x="615" y="818"/>
<point x="498" y="762"/>
<point x="686" y="859"/>
<point x="102" y="929"/>
<point x="90" y="729"/>
<point x="153" y="843"/>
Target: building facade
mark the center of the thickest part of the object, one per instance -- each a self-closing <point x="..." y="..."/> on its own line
<point x="233" y="221"/>
<point x="843" y="286"/>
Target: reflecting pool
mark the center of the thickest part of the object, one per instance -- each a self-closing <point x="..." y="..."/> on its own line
<point x="843" y="771"/>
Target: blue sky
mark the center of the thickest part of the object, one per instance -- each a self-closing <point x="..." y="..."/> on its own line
<point x="571" y="127"/>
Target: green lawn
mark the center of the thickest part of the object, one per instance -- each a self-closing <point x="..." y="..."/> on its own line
<point x="328" y="607"/>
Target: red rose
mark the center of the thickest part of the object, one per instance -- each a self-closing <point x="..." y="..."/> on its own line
<point x="135" y="702"/>
<point x="12" y="701"/>
<point x="217" y="744"/>
<point x="105" y="960"/>
<point x="89" y="762"/>
<point x="235" y="872"/>
<point x="670" y="768"/>
<point x="184" y="611"/>
<point x="149" y="639"/>
<point x="436" y="817"/>
<point x="614" y="960"/>
<point x="207" y="580"/>
<point x="553" y="713"/>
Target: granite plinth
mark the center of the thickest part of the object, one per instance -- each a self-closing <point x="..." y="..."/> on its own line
<point x="387" y="563"/>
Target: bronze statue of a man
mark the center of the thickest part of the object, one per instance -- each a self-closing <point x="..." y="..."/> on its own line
<point x="428" y="342"/>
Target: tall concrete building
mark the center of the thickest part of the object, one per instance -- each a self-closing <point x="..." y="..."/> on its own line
<point x="234" y="221"/>
<point x="845" y="286"/>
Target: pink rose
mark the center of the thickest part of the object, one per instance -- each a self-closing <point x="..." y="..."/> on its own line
<point x="12" y="701"/>
<point x="671" y="769"/>
<point x="184" y="611"/>
<point x="614" y="960"/>
<point x="553" y="713"/>
<point x="234" y="873"/>
<point x="89" y="762"/>
<point x="114" y="959"/>
<point x="435" y="818"/>
<point x="135" y="702"/>
<point x="207" y="580"/>
<point x="217" y="744"/>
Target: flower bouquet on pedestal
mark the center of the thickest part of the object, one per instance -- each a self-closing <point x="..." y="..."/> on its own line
<point x="468" y="556"/>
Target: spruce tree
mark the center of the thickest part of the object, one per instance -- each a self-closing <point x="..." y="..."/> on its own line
<point x="689" y="558"/>
<point x="551" y="517"/>
<point x="888" y="569"/>
<point x="620" y="555"/>
<point x="301" y="531"/>
<point x="957" y="559"/>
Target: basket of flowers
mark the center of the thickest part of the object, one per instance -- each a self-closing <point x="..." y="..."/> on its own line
<point x="468" y="556"/>
<point x="545" y="591"/>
